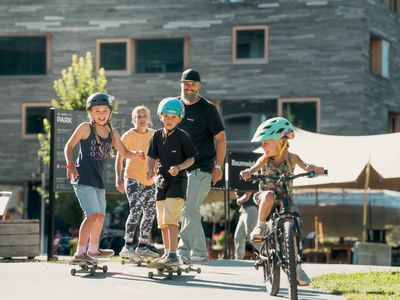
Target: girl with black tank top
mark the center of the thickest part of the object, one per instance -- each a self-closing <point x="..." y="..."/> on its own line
<point x="97" y="140"/>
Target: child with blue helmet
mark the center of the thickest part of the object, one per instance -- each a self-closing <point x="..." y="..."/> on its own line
<point x="173" y="150"/>
<point x="277" y="160"/>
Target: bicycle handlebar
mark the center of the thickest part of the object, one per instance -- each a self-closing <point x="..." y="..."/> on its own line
<point x="284" y="177"/>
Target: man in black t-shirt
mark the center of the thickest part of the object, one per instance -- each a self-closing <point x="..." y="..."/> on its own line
<point x="203" y="123"/>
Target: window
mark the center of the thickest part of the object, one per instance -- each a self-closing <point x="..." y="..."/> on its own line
<point x="114" y="55"/>
<point x="32" y="118"/>
<point x="250" y="44"/>
<point x="379" y="51"/>
<point x="241" y="118"/>
<point x="24" y="55"/>
<point x="303" y="113"/>
<point x="395" y="5"/>
<point x="394" y="122"/>
<point x="161" y="56"/>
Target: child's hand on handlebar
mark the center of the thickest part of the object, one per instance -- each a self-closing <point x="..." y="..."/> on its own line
<point x="317" y="170"/>
<point x="245" y="174"/>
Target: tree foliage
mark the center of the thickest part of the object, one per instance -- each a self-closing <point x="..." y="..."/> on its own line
<point x="72" y="89"/>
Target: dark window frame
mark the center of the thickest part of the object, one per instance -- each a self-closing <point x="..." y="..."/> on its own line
<point x="128" y="59"/>
<point x="186" y="45"/>
<point x="24" y="107"/>
<point x="235" y="30"/>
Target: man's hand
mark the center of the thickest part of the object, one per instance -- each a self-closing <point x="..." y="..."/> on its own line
<point x="216" y="175"/>
<point x="173" y="170"/>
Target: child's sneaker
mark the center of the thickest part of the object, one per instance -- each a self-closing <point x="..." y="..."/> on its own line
<point x="302" y="277"/>
<point x="102" y="253"/>
<point x="258" y="232"/>
<point x="163" y="257"/>
<point x="128" y="252"/>
<point x="83" y="258"/>
<point x="172" y="262"/>
<point x="199" y="260"/>
<point x="146" y="252"/>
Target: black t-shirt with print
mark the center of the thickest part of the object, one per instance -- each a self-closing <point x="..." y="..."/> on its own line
<point x="170" y="151"/>
<point x="202" y="121"/>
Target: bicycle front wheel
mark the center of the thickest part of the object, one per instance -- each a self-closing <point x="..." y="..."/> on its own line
<point x="290" y="257"/>
<point x="272" y="275"/>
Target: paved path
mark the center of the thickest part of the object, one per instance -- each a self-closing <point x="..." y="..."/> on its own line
<point x="233" y="280"/>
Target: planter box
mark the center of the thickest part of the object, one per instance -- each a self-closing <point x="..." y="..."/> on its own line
<point x="372" y="254"/>
<point x="19" y="238"/>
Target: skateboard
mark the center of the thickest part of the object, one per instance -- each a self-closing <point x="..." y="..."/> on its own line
<point x="138" y="260"/>
<point x="164" y="270"/>
<point x="189" y="267"/>
<point x="90" y="268"/>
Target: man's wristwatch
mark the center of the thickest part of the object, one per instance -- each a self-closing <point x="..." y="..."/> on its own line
<point x="218" y="167"/>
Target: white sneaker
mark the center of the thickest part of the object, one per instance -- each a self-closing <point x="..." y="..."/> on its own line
<point x="302" y="277"/>
<point x="199" y="260"/>
<point x="127" y="252"/>
<point x="258" y="232"/>
<point x="146" y="252"/>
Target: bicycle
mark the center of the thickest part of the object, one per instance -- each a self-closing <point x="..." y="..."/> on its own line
<point x="278" y="248"/>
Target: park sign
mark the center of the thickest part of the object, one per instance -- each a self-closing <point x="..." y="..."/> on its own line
<point x="63" y="125"/>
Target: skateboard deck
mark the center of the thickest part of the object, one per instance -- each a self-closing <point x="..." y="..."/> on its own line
<point x="164" y="270"/>
<point x="189" y="267"/>
<point x="89" y="268"/>
<point x="138" y="260"/>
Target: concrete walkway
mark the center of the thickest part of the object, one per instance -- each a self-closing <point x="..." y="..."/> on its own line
<point x="233" y="280"/>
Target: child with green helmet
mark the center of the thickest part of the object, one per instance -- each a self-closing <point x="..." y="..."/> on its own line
<point x="173" y="150"/>
<point x="274" y="134"/>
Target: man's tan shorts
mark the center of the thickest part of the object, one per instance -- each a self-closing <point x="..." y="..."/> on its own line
<point x="169" y="211"/>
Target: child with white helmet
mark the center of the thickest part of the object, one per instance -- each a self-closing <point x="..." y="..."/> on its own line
<point x="277" y="160"/>
<point x="173" y="150"/>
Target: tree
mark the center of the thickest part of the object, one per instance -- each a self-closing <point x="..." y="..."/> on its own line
<point x="73" y="88"/>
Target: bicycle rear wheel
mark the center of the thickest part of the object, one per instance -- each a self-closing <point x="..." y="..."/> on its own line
<point x="290" y="257"/>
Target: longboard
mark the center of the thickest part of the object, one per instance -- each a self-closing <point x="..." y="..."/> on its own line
<point x="163" y="270"/>
<point x="90" y="268"/>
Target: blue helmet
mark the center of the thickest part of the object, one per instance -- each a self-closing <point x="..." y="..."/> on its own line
<point x="171" y="105"/>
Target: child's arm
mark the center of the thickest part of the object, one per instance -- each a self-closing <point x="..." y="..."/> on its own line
<point x="150" y="168"/>
<point x="246" y="174"/>
<point x="123" y="150"/>
<point x="174" y="170"/>
<point x="119" y="183"/>
<point x="81" y="132"/>
<point x="244" y="198"/>
<point x="305" y="166"/>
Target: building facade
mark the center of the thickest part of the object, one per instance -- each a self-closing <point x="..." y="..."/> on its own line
<point x="331" y="66"/>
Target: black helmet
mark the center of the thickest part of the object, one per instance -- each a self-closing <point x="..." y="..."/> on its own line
<point x="99" y="99"/>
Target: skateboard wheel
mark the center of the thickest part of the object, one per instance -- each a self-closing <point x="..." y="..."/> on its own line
<point x="169" y="276"/>
<point x="139" y="263"/>
<point x="105" y="269"/>
<point x="198" y="270"/>
<point x="179" y="271"/>
<point x="73" y="272"/>
<point x="150" y="275"/>
<point x="92" y="271"/>
<point x="187" y="270"/>
<point x="122" y="261"/>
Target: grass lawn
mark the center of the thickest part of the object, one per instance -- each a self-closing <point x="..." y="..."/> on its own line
<point x="361" y="286"/>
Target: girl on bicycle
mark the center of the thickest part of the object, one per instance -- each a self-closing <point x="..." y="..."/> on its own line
<point x="277" y="160"/>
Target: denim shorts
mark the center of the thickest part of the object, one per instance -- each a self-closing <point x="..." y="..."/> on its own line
<point x="91" y="199"/>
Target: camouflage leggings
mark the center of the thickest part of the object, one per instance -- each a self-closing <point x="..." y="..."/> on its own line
<point x="142" y="202"/>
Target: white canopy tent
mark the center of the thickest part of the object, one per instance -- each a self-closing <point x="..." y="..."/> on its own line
<point x="347" y="157"/>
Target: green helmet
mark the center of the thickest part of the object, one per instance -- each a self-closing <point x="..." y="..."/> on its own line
<point x="273" y="129"/>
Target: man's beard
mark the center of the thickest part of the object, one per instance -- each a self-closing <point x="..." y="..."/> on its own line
<point x="189" y="98"/>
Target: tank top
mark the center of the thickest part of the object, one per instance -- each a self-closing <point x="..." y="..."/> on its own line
<point x="276" y="170"/>
<point x="90" y="162"/>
